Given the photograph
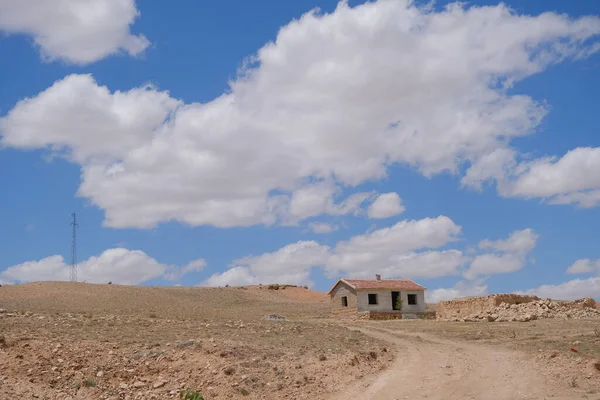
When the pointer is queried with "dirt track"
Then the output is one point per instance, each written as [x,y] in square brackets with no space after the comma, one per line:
[434,368]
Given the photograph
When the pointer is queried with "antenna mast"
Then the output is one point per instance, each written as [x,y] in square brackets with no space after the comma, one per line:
[74,249]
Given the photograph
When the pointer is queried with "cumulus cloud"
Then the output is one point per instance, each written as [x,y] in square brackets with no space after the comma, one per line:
[397,250]
[319,198]
[386,205]
[76,31]
[289,265]
[571,179]
[461,289]
[335,99]
[518,242]
[584,266]
[571,290]
[237,276]
[118,265]
[508,255]
[322,227]
[402,250]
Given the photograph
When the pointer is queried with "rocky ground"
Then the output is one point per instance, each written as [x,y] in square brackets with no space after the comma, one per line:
[534,310]
[143,354]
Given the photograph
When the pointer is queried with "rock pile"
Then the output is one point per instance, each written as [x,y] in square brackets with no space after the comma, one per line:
[539,309]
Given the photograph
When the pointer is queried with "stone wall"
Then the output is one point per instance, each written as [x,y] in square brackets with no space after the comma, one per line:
[374,315]
[427,315]
[348,313]
[365,315]
[459,308]
[580,304]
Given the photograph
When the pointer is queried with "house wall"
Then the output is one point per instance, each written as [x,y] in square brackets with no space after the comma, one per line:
[384,298]
[337,310]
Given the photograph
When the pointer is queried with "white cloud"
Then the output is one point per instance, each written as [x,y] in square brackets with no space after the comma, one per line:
[118,265]
[77,31]
[584,266]
[509,255]
[237,276]
[47,269]
[491,264]
[101,125]
[194,266]
[335,98]
[571,290]
[574,178]
[289,265]
[386,205]
[428,264]
[322,227]
[518,242]
[390,251]
[461,289]
[393,251]
[571,179]
[316,199]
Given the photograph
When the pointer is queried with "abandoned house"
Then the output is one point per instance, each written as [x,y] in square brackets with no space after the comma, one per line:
[377,298]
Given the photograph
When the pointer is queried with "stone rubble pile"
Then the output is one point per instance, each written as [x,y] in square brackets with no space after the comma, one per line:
[539,309]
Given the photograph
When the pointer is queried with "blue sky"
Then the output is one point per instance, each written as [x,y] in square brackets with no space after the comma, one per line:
[237,143]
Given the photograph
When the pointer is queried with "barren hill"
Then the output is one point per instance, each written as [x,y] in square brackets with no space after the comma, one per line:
[61,340]
[243,303]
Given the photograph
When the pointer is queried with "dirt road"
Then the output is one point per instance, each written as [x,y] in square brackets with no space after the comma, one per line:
[432,368]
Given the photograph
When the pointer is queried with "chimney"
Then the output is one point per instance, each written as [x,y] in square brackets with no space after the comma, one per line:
[378,277]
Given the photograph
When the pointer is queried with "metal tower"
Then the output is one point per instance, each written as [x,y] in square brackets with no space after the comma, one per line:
[74,249]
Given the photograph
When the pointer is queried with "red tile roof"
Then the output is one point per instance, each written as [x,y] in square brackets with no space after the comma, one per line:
[392,284]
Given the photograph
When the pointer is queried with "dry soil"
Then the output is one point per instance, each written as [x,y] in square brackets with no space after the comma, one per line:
[78,341]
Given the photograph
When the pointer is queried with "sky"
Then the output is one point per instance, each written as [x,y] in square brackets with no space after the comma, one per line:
[236,143]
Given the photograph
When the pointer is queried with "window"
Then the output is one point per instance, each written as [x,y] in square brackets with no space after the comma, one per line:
[412,299]
[372,298]
[344,301]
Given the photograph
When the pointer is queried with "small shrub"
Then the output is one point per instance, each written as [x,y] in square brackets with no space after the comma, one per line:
[573,383]
[597,331]
[190,395]
[244,392]
[77,385]
[322,357]
[399,304]
[229,371]
[152,315]
[89,382]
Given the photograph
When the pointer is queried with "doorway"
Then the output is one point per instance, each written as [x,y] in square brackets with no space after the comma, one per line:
[395,296]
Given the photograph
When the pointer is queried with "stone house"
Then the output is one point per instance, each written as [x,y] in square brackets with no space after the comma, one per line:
[377,298]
